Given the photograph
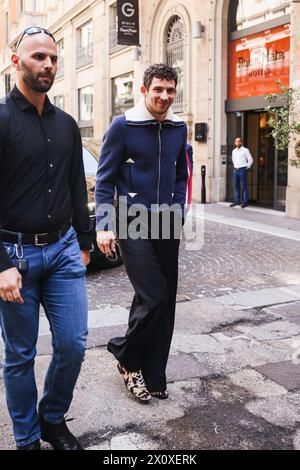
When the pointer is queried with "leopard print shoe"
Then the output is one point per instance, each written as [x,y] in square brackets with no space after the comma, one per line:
[135,383]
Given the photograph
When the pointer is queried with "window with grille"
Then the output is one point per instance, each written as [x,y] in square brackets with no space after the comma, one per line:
[86,111]
[86,106]
[248,13]
[60,53]
[175,57]
[113,30]
[122,94]
[84,50]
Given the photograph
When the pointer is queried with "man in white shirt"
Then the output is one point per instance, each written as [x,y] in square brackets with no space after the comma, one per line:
[242,161]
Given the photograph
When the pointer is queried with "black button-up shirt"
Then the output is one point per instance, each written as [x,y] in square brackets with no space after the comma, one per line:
[42,181]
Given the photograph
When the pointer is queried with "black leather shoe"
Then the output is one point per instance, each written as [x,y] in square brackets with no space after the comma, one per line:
[58,435]
[233,204]
[243,205]
[36,445]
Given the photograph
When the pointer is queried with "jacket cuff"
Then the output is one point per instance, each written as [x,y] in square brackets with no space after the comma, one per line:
[85,241]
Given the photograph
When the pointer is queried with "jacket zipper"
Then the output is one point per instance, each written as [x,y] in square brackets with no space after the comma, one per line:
[159,154]
[159,163]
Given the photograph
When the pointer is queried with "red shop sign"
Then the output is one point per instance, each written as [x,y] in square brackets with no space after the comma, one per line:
[257,61]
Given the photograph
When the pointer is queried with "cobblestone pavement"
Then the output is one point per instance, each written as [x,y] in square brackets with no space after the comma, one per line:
[232,259]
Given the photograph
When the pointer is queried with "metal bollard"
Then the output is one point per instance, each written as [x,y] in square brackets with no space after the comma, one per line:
[203,187]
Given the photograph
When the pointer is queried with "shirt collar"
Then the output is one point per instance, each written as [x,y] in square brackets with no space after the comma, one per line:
[140,113]
[24,105]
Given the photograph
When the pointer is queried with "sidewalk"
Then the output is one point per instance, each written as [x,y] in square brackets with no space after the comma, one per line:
[234,368]
[253,218]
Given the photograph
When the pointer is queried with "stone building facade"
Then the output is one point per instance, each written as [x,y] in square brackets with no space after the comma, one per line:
[208,41]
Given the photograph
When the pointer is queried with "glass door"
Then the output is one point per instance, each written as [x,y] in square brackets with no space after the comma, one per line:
[281,157]
[251,141]
[265,163]
[267,179]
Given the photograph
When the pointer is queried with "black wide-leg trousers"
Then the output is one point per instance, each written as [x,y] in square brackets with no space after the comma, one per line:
[152,267]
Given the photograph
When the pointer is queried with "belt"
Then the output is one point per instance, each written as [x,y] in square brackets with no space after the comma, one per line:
[37,239]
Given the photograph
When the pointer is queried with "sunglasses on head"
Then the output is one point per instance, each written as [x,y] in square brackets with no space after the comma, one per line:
[34,30]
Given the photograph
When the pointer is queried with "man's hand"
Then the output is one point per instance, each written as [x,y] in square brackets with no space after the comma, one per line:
[106,242]
[86,257]
[10,285]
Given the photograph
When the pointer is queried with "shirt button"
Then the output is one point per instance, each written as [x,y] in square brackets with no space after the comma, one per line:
[49,216]
[49,140]
[49,190]
[51,165]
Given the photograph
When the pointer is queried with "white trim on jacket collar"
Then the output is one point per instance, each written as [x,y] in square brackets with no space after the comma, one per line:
[140,113]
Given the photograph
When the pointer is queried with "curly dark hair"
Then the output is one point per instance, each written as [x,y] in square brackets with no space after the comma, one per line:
[162,71]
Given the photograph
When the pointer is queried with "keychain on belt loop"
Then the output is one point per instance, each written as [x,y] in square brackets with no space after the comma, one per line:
[22,263]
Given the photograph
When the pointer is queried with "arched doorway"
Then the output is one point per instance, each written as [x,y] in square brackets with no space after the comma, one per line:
[258,56]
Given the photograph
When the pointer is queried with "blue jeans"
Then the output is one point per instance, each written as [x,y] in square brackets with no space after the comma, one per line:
[240,179]
[55,279]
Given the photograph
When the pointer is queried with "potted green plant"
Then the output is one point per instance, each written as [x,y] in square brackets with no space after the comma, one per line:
[284,126]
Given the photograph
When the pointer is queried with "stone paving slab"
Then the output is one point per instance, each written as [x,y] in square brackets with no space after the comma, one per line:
[189,343]
[101,336]
[257,384]
[281,410]
[186,367]
[297,440]
[197,317]
[286,374]
[278,329]
[267,222]
[104,323]
[271,216]
[103,317]
[207,314]
[291,345]
[127,441]
[133,441]
[96,337]
[290,311]
[239,353]
[255,226]
[261,297]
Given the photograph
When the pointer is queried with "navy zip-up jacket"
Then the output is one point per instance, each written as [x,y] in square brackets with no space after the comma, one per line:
[143,160]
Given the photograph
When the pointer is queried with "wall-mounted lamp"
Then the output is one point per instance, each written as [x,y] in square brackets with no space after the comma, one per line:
[198,30]
[136,54]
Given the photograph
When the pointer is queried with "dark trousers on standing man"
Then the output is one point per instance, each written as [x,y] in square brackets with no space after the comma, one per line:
[240,184]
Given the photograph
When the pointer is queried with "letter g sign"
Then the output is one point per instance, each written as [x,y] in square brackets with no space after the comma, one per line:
[128,9]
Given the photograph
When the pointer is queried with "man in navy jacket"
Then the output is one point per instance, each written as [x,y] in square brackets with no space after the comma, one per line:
[143,162]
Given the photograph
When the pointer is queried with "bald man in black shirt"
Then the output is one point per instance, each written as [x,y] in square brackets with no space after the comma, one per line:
[44,245]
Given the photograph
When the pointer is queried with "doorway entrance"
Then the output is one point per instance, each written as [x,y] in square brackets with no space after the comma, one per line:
[267,179]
